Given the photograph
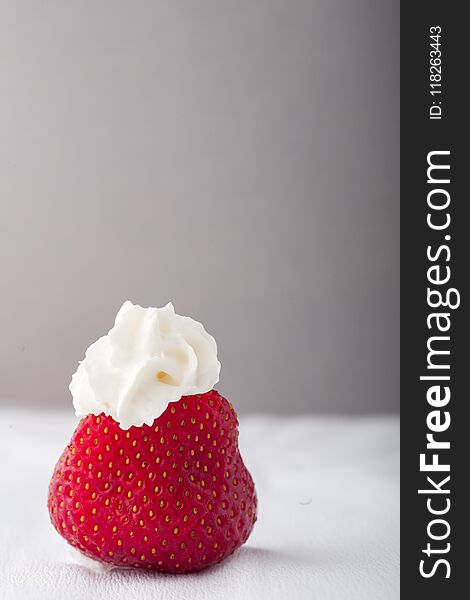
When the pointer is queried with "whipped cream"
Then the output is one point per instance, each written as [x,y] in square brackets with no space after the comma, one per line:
[151,357]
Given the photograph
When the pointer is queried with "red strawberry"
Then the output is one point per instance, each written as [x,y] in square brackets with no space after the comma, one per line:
[175,496]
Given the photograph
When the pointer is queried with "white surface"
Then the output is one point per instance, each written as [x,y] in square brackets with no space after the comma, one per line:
[328,525]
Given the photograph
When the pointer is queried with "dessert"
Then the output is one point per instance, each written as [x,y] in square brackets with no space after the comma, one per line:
[152,477]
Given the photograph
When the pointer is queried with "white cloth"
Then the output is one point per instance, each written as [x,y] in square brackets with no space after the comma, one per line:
[328,524]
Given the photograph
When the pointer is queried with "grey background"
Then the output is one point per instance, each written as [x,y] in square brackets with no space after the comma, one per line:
[239,158]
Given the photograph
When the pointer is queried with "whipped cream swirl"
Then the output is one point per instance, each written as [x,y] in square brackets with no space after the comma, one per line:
[151,357]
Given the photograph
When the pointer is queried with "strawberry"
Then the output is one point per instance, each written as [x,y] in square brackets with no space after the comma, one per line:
[175,497]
